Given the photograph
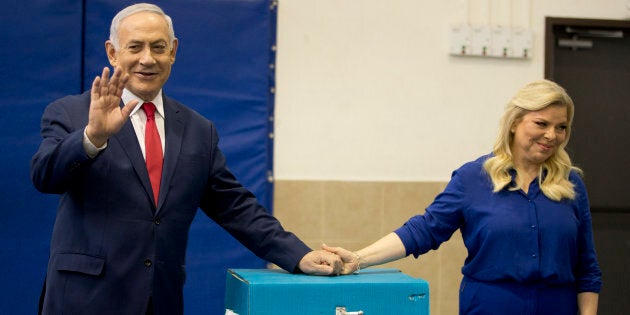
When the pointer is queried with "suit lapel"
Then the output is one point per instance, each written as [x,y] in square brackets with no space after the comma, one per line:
[129,143]
[174,129]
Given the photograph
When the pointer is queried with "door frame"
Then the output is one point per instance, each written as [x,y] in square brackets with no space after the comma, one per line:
[553,22]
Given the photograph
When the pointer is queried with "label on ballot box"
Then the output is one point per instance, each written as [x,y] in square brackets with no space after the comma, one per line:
[374,291]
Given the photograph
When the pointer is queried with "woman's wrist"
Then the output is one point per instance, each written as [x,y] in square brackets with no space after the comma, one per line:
[357,257]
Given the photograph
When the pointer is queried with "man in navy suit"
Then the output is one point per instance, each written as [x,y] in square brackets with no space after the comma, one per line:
[119,243]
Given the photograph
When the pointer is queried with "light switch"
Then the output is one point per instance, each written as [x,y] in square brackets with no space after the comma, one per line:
[521,43]
[501,45]
[460,40]
[480,40]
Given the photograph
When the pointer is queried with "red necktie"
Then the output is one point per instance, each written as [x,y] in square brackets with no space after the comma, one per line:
[153,150]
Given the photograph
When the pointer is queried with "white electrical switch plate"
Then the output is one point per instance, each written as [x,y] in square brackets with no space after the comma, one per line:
[501,44]
[480,40]
[521,43]
[460,40]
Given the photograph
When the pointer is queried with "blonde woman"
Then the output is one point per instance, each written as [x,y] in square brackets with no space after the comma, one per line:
[523,213]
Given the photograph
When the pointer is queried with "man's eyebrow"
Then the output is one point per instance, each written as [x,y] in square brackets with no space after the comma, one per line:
[133,42]
[136,41]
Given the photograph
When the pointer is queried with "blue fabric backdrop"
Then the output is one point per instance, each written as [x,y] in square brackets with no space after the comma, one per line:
[55,48]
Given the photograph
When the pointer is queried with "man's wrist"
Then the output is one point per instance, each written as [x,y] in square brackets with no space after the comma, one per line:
[90,148]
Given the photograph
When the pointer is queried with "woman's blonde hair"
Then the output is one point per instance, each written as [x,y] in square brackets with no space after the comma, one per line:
[556,169]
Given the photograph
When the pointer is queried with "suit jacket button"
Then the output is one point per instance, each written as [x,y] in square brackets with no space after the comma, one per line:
[157,221]
[148,262]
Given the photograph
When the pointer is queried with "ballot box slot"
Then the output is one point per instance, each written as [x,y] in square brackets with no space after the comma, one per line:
[341,310]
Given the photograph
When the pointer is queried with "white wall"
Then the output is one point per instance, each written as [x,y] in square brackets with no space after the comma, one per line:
[367,90]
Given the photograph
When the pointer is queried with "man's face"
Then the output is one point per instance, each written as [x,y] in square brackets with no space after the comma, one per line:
[145,53]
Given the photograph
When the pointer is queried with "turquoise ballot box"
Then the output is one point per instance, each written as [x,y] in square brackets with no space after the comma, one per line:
[372,291]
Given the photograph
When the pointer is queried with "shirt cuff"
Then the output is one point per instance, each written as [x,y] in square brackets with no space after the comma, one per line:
[406,237]
[91,150]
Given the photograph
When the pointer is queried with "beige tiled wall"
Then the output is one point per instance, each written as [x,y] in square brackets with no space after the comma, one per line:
[355,214]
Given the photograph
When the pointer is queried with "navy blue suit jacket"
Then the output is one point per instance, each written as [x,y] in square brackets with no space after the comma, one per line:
[111,247]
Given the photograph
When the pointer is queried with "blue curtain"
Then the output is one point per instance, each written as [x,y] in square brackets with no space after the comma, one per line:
[56,48]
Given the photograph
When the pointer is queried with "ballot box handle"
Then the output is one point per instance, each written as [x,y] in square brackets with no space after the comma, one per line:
[341,310]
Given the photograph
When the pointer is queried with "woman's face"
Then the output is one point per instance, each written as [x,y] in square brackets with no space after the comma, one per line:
[538,135]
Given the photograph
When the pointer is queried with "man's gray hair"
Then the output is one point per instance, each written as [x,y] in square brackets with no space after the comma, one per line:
[133,9]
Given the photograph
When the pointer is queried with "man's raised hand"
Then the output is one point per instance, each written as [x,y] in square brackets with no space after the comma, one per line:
[106,117]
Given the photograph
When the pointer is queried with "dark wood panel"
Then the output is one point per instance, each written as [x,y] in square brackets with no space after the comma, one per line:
[598,80]
[596,73]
